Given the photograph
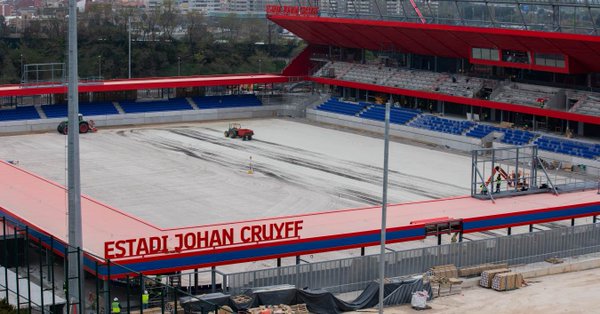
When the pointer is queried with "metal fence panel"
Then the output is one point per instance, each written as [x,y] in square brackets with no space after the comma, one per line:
[355,273]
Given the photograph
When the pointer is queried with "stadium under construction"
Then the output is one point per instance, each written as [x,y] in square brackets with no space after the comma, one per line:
[505,112]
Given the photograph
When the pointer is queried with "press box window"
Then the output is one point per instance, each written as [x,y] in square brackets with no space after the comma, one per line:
[485,54]
[550,60]
[515,56]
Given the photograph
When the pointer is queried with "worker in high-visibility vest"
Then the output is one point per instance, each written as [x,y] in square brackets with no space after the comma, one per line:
[498,183]
[115,306]
[145,299]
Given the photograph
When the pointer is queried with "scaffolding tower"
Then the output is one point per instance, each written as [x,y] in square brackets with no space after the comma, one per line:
[508,171]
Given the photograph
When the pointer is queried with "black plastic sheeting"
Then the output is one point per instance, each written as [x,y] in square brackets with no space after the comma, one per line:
[317,301]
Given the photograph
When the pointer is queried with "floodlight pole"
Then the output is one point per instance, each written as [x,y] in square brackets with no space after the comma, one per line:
[129,31]
[386,153]
[75,258]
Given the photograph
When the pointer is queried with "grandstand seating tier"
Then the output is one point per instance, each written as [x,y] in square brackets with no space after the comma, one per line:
[174,104]
[568,147]
[444,125]
[19,113]
[229,101]
[86,109]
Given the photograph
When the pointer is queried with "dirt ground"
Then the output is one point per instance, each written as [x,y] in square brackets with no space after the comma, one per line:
[574,292]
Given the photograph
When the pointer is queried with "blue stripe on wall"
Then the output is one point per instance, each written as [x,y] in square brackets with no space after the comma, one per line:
[528,218]
[265,251]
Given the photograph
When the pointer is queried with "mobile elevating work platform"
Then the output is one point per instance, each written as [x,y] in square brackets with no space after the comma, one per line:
[518,170]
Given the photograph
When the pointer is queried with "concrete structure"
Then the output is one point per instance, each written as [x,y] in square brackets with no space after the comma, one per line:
[36,202]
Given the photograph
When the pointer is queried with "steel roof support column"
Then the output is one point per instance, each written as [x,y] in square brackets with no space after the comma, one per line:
[522,16]
[556,18]
[589,9]
[462,20]
[381,6]
[403,10]
[490,13]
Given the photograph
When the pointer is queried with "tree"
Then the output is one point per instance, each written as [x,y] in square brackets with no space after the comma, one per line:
[167,18]
[9,73]
[155,52]
[3,27]
[197,34]
[6,308]
[232,25]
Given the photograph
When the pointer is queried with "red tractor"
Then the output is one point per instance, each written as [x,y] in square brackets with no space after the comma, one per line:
[235,130]
[84,126]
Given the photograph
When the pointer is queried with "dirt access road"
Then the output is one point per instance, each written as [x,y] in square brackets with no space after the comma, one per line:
[572,293]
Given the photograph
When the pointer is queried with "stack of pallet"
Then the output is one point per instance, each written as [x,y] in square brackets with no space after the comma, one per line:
[473,271]
[280,309]
[168,309]
[444,271]
[444,280]
[441,287]
[240,299]
[300,309]
[488,276]
[507,281]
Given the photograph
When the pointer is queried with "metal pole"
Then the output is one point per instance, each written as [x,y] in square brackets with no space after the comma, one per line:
[213,279]
[22,73]
[75,271]
[386,151]
[129,31]
[99,67]
[178,66]
[196,281]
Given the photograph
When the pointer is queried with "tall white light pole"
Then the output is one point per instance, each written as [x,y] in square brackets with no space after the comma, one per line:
[386,153]
[129,31]
[75,258]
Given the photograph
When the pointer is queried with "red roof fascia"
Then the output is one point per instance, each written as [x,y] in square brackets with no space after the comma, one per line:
[463,100]
[144,83]
[444,40]
[441,27]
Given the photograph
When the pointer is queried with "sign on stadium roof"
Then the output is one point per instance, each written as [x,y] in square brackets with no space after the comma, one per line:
[292,10]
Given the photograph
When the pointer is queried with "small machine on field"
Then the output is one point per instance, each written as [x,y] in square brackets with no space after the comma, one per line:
[235,130]
[85,126]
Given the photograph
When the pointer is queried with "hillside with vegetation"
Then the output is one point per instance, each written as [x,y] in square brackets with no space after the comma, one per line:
[164,43]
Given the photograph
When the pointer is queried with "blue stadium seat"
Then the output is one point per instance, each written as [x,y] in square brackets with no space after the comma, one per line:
[227,101]
[511,136]
[87,109]
[482,130]
[516,136]
[568,147]
[336,106]
[19,113]
[435,123]
[174,104]
[397,115]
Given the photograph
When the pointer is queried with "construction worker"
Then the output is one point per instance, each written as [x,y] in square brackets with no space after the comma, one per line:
[483,189]
[454,238]
[115,307]
[145,299]
[498,183]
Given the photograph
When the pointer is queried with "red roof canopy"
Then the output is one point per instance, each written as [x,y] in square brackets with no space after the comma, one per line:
[441,40]
[144,83]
